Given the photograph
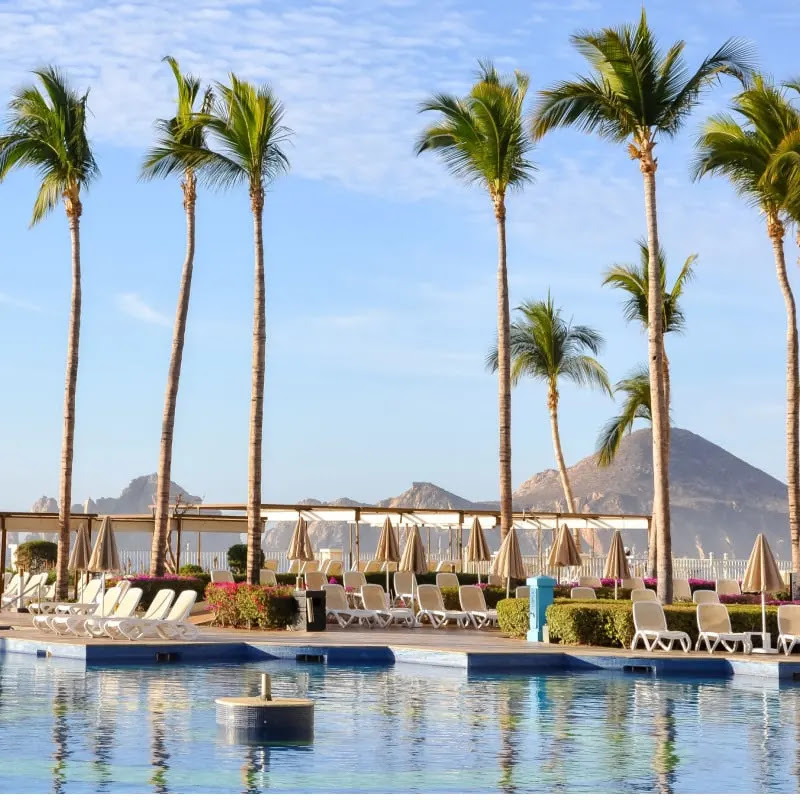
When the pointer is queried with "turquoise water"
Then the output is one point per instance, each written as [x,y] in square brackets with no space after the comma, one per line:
[64,728]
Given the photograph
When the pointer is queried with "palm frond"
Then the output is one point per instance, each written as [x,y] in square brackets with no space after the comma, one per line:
[635,405]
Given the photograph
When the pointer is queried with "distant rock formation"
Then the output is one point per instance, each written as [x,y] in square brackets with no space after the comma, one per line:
[45,505]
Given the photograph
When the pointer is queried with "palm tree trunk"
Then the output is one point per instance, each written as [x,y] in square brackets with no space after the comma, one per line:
[256,392]
[503,368]
[776,233]
[68,436]
[161,529]
[659,411]
[552,405]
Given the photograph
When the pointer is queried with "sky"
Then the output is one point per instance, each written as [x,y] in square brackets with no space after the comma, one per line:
[381,283]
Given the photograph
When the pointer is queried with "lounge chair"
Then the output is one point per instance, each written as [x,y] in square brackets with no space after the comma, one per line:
[728,586]
[446,566]
[495,580]
[405,588]
[582,593]
[522,593]
[432,563]
[372,566]
[336,607]
[295,567]
[94,626]
[176,624]
[12,591]
[373,598]
[444,579]
[388,566]
[632,583]
[130,626]
[309,566]
[354,580]
[705,596]
[30,592]
[221,576]
[66,624]
[788,628]
[590,582]
[431,605]
[637,595]
[315,581]
[272,564]
[266,577]
[334,569]
[323,566]
[651,628]
[714,629]
[86,603]
[681,591]
[473,604]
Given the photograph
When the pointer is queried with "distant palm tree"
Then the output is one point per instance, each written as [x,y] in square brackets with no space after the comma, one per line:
[173,154]
[635,405]
[47,131]
[636,93]
[546,347]
[758,150]
[481,139]
[249,137]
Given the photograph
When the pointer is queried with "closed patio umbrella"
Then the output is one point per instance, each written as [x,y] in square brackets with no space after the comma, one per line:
[387,547]
[564,553]
[477,549]
[762,575]
[508,561]
[81,552]
[105,557]
[414,558]
[300,544]
[616,564]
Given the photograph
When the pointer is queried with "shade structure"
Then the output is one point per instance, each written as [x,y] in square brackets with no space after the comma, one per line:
[414,558]
[477,549]
[762,575]
[387,547]
[564,553]
[81,551]
[508,561]
[104,557]
[300,544]
[616,563]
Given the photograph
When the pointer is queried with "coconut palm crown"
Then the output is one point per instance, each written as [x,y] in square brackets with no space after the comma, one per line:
[635,405]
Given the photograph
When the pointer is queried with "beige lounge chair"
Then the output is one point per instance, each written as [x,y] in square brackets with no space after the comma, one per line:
[444,579]
[522,593]
[315,581]
[431,605]
[221,576]
[405,588]
[714,629]
[354,580]
[681,591]
[388,566]
[705,596]
[788,628]
[473,604]
[266,577]
[373,598]
[372,566]
[176,624]
[637,595]
[129,626]
[75,624]
[432,565]
[590,582]
[32,587]
[87,602]
[334,569]
[295,567]
[581,593]
[728,586]
[495,580]
[336,607]
[12,590]
[323,566]
[272,564]
[309,566]
[446,566]
[632,583]
[651,628]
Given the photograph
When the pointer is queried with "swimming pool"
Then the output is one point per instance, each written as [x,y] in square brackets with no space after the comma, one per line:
[66,728]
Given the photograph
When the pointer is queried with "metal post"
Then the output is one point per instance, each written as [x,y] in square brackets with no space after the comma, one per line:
[3,545]
[198,548]
[358,538]
[178,551]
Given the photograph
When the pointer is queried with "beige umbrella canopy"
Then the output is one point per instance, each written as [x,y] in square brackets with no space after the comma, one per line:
[564,553]
[413,559]
[79,557]
[300,545]
[387,547]
[762,575]
[105,557]
[508,561]
[477,549]
[616,564]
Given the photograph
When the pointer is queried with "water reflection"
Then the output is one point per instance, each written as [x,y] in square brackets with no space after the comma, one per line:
[665,757]
[61,752]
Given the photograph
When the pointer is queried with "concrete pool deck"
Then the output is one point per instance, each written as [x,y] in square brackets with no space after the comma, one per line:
[474,651]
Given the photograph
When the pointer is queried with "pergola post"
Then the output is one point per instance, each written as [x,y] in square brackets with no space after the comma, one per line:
[3,544]
[358,539]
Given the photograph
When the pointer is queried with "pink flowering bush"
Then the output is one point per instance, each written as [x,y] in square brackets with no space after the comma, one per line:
[242,605]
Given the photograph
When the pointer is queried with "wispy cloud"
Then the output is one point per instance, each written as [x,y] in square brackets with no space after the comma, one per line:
[16,302]
[132,305]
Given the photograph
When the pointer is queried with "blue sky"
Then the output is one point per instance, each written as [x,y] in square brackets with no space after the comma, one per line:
[380,266]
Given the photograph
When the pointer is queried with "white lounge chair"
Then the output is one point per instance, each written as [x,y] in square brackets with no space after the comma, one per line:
[431,605]
[522,592]
[336,607]
[373,598]
[11,592]
[473,604]
[94,625]
[681,590]
[705,596]
[372,566]
[651,628]
[74,624]
[714,629]
[405,587]
[334,569]
[788,628]
[447,579]
[31,591]
[632,583]
[354,580]
[221,576]
[590,582]
[582,593]
[130,626]
[638,595]
[728,586]
[85,604]
[446,566]
[309,566]
[315,581]
[266,577]
[272,564]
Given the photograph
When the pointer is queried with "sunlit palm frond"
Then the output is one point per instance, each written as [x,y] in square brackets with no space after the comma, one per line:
[635,405]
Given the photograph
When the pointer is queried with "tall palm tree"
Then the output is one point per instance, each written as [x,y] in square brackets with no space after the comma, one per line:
[178,141]
[481,139]
[635,405]
[635,94]
[246,124]
[547,347]
[47,131]
[758,149]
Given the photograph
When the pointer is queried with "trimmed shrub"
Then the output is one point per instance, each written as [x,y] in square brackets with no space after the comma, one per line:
[493,595]
[241,605]
[513,616]
[36,555]
[190,569]
[237,558]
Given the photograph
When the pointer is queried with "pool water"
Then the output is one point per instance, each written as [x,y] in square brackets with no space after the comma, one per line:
[66,728]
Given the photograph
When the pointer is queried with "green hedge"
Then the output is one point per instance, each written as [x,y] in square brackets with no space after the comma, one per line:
[493,595]
[151,586]
[604,593]
[36,555]
[244,606]
[513,616]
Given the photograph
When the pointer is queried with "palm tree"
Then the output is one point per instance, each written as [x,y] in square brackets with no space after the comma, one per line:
[546,347]
[635,405]
[177,142]
[47,131]
[637,93]
[481,139]
[758,151]
[246,123]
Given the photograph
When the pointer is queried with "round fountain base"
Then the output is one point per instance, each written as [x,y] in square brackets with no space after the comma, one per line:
[280,720]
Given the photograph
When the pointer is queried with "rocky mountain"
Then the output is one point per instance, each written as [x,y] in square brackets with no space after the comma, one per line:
[427,495]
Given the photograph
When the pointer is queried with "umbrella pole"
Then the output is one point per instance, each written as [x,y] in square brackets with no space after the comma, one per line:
[615,588]
[764,619]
